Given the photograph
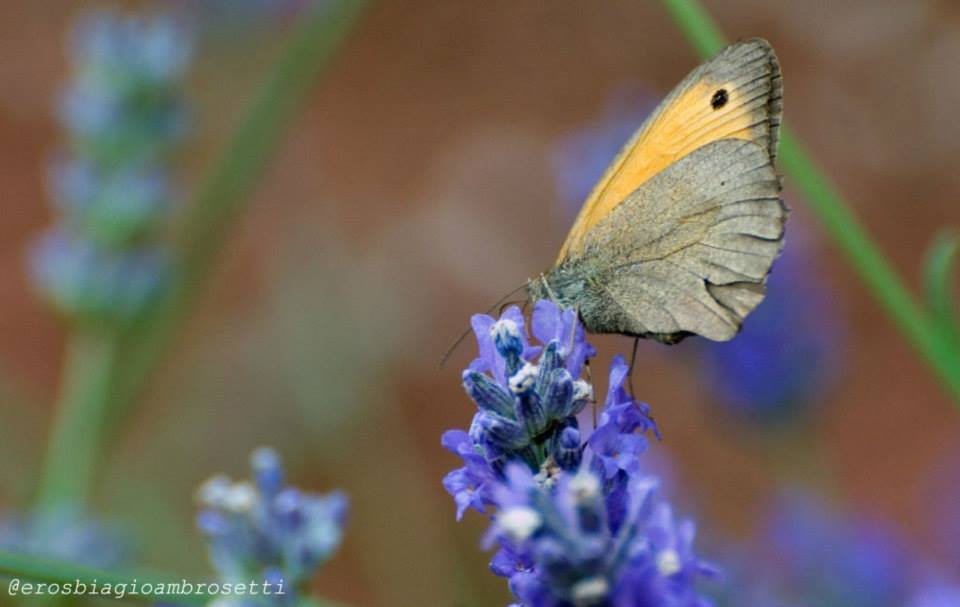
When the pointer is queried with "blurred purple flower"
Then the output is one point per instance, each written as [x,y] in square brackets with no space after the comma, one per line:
[124,106]
[267,530]
[68,535]
[835,559]
[114,207]
[937,594]
[123,111]
[788,350]
[941,495]
[810,554]
[76,274]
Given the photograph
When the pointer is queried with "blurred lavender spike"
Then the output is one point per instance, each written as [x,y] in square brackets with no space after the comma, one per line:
[937,594]
[266,530]
[812,554]
[65,534]
[123,113]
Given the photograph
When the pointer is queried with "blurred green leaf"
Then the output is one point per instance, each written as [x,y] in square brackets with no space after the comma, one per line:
[24,426]
[938,273]
[73,449]
[225,194]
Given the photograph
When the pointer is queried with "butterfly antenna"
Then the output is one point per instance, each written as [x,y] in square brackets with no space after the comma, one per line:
[500,303]
[513,302]
[633,394]
[453,348]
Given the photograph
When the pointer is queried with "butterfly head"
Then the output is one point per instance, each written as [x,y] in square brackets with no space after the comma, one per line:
[557,285]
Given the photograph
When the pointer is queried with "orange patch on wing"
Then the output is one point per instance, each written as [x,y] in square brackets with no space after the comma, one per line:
[689,122]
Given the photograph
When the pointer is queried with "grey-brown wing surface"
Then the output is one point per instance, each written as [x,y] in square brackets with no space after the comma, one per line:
[689,250]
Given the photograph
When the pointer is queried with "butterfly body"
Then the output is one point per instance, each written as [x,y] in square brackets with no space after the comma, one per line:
[679,235]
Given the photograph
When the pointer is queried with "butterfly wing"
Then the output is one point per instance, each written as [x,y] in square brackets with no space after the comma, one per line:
[735,95]
[688,251]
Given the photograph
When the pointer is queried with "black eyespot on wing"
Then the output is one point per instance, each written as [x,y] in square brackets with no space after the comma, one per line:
[719,99]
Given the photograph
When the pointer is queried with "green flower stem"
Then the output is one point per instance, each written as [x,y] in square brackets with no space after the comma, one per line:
[835,215]
[940,265]
[869,262]
[697,25]
[74,445]
[226,192]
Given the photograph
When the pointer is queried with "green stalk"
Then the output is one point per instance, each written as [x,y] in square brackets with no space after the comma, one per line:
[939,268]
[225,194]
[869,262]
[74,445]
[695,22]
[834,213]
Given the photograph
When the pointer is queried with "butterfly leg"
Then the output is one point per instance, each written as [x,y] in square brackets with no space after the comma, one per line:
[633,395]
[586,366]
[633,360]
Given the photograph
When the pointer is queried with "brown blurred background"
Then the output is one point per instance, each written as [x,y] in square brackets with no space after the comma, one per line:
[415,190]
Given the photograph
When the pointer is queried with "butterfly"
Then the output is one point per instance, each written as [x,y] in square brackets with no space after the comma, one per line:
[680,233]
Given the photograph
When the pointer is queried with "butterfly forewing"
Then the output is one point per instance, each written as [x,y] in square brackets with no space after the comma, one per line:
[735,95]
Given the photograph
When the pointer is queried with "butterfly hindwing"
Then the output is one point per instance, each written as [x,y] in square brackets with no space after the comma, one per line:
[687,252]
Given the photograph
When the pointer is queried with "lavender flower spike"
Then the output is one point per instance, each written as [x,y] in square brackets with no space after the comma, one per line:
[561,548]
[575,520]
[266,530]
[123,114]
